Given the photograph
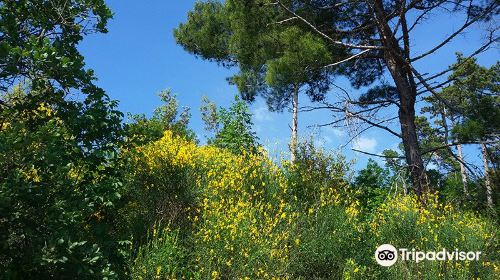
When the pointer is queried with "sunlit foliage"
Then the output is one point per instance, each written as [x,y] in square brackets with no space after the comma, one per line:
[240,217]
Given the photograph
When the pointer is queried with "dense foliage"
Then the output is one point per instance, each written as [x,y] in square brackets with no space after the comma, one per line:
[244,217]
[86,195]
[57,195]
[231,128]
[59,179]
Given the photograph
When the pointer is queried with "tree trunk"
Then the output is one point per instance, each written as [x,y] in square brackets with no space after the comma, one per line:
[487,179]
[295,111]
[463,173]
[410,141]
[459,149]
[397,62]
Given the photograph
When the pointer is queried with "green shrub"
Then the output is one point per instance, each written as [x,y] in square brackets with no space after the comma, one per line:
[163,257]
[59,189]
[313,172]
[403,223]
[372,185]
[326,239]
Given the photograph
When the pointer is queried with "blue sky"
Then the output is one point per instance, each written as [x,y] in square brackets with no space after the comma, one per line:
[139,57]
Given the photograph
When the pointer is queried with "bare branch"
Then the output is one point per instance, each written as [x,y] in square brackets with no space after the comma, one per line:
[376,155]
[365,129]
[347,59]
[358,115]
[379,126]
[352,46]
[285,20]
[467,23]
[454,144]
[431,89]
[478,51]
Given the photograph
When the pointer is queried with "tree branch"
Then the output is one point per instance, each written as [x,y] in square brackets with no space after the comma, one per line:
[454,144]
[464,26]
[478,51]
[352,46]
[430,89]
[376,155]
[347,59]
[359,116]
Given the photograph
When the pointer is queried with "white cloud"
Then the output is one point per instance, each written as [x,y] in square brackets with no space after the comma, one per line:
[262,114]
[365,144]
[335,131]
[323,141]
[327,139]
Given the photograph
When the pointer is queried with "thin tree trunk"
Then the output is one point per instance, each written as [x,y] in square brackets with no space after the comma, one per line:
[459,149]
[487,179]
[295,112]
[463,172]
[398,64]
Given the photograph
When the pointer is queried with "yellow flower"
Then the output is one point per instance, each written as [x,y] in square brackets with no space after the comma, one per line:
[232,218]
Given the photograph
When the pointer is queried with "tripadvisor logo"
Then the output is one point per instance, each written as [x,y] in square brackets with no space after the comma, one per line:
[387,255]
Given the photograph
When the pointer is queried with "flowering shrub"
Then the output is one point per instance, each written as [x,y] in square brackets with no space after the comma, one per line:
[240,217]
[404,223]
[316,175]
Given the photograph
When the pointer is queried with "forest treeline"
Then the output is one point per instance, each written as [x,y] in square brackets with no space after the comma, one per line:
[85,194]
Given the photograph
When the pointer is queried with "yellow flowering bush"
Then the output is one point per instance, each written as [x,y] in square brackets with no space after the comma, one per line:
[238,220]
[160,186]
[405,223]
[241,217]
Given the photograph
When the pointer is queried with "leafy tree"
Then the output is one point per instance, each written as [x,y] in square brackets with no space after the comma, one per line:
[60,182]
[39,42]
[232,127]
[373,36]
[288,64]
[474,100]
[314,172]
[435,142]
[441,133]
[209,114]
[458,121]
[166,117]
[474,95]
[469,116]
[373,183]
[57,198]
[296,68]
